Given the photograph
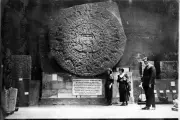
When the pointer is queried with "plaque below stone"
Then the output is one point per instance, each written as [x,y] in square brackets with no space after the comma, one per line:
[87,87]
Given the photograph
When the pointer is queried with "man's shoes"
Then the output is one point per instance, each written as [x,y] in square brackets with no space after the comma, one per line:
[123,104]
[109,104]
[16,109]
[145,108]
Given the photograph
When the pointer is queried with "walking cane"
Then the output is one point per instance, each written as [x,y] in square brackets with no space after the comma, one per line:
[141,97]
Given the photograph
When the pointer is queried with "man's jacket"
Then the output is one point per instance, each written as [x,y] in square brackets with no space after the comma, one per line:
[149,75]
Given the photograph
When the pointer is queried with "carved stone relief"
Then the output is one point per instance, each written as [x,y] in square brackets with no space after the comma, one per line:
[86,39]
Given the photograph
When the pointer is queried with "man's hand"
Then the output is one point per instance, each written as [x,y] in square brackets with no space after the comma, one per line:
[150,85]
[140,85]
[110,85]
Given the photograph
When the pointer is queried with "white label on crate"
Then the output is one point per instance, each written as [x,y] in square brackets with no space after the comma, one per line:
[54,77]
[20,79]
[155,91]
[26,93]
[161,91]
[174,91]
[167,90]
[172,83]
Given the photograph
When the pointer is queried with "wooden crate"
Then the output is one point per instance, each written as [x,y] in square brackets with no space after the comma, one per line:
[23,92]
[34,93]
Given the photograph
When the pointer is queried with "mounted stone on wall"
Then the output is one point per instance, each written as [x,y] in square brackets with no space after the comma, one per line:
[87,39]
[21,66]
[169,69]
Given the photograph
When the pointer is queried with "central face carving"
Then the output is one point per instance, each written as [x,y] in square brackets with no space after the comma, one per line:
[86,39]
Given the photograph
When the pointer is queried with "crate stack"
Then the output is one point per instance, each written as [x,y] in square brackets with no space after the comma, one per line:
[165,90]
[21,73]
[56,86]
[167,86]
[34,92]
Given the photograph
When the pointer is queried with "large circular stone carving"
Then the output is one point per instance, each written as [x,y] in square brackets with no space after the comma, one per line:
[86,39]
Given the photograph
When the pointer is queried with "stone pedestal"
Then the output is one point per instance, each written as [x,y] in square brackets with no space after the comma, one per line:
[59,88]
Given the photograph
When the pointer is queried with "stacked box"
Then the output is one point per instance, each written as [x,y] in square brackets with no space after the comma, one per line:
[56,86]
[23,94]
[174,88]
[160,88]
[47,87]
[21,73]
[34,92]
[169,74]
[167,88]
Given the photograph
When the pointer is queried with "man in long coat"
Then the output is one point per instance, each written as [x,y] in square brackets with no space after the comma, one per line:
[148,82]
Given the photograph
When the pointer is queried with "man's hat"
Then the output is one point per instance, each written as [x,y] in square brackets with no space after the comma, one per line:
[109,69]
[145,59]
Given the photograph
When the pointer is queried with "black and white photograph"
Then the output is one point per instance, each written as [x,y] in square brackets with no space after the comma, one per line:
[89,59]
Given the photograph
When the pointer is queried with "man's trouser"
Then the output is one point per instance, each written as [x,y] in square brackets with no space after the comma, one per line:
[150,97]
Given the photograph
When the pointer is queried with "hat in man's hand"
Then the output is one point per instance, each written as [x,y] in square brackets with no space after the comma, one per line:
[145,59]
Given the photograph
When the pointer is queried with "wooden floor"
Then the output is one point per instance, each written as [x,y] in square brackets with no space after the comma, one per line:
[92,111]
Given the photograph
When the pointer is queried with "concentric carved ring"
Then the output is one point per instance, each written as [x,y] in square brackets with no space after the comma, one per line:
[86,39]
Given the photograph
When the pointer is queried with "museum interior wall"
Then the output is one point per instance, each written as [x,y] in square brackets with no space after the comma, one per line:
[42,42]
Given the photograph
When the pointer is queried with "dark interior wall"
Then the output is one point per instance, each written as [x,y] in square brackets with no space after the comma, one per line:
[2,3]
[151,28]
[148,33]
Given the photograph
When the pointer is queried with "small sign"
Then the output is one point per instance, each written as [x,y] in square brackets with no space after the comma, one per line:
[161,91]
[174,91]
[90,87]
[167,90]
[26,93]
[54,77]
[172,83]
[20,79]
[155,91]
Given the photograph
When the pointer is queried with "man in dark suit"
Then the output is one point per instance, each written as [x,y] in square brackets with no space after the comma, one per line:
[109,86]
[148,82]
